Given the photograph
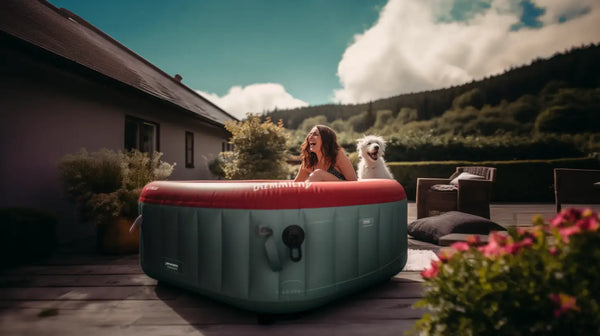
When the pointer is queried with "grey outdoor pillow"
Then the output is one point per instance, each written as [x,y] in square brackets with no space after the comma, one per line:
[431,229]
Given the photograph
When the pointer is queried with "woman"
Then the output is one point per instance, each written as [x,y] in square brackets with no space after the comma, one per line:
[323,159]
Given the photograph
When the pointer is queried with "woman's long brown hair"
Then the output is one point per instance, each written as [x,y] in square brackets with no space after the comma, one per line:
[329,147]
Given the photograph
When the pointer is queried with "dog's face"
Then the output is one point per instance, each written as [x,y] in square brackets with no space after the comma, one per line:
[371,147]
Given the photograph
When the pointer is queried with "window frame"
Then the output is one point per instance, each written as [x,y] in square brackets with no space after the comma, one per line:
[226,146]
[189,149]
[140,134]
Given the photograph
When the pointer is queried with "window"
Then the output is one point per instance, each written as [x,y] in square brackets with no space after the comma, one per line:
[141,135]
[189,150]
[226,147]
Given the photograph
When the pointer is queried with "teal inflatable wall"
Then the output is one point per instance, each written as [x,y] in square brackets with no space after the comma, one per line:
[238,256]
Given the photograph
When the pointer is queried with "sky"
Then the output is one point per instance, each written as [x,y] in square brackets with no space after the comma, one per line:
[258,55]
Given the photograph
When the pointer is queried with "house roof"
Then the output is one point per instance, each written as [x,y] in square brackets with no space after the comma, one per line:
[65,34]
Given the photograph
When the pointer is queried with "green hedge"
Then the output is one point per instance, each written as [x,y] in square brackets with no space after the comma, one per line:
[425,148]
[516,181]
[26,235]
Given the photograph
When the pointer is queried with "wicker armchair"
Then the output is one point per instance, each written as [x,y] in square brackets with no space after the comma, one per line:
[576,186]
[436,195]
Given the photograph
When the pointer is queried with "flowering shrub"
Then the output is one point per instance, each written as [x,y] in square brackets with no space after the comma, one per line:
[542,281]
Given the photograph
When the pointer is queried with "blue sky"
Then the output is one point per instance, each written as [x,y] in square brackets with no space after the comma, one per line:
[255,55]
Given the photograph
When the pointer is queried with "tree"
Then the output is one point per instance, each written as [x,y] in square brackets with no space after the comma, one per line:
[259,150]
[563,119]
[474,98]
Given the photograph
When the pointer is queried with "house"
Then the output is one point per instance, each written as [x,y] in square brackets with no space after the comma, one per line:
[66,85]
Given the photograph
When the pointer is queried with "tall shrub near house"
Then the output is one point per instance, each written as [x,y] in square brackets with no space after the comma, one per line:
[259,150]
[106,185]
[543,281]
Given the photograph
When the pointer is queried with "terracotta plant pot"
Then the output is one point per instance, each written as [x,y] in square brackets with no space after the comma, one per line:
[114,237]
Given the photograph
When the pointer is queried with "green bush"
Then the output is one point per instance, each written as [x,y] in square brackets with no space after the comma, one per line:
[383,118]
[406,115]
[107,184]
[474,98]
[358,122]
[489,126]
[516,181]
[215,167]
[83,174]
[427,147]
[524,283]
[26,235]
[564,119]
[339,126]
[524,109]
[259,150]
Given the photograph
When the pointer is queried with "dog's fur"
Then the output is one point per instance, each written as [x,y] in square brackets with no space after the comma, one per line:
[371,150]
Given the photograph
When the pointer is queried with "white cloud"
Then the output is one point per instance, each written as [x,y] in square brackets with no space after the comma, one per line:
[557,9]
[254,98]
[410,49]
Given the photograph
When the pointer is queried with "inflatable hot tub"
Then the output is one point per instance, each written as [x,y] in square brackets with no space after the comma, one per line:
[273,246]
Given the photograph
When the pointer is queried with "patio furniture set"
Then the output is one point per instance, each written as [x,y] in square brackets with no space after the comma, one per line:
[446,206]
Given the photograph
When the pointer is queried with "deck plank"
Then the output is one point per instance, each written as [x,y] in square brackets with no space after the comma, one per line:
[85,280]
[86,293]
[76,269]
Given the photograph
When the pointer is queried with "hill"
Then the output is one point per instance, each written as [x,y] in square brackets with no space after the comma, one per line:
[575,68]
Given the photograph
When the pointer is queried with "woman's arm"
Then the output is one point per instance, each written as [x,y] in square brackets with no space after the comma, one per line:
[345,166]
[302,174]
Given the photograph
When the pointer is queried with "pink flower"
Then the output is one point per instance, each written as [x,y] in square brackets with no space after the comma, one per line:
[573,221]
[564,302]
[495,246]
[431,272]
[527,242]
[514,248]
[568,231]
[532,233]
[446,254]
[588,223]
[474,240]
[553,250]
[460,246]
[566,217]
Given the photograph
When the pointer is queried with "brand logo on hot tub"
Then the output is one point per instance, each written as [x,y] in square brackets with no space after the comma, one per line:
[292,287]
[279,185]
[366,222]
[172,265]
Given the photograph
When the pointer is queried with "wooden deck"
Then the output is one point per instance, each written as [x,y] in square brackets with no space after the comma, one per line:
[78,292]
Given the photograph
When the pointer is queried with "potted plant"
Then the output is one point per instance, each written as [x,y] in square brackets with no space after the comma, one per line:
[106,186]
[540,281]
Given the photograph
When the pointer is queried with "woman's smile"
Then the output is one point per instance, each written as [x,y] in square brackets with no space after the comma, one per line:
[314,140]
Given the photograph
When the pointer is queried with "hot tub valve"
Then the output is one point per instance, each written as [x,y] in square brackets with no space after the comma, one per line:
[293,237]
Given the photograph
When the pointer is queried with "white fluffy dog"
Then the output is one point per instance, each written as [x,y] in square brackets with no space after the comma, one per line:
[371,164]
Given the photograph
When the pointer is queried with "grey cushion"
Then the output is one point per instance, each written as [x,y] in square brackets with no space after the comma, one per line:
[431,229]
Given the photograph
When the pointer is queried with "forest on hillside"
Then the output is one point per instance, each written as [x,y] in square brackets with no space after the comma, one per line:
[549,108]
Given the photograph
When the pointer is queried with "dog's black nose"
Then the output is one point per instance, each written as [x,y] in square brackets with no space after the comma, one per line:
[376,147]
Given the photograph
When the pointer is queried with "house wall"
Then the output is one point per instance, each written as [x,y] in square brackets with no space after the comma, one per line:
[47,112]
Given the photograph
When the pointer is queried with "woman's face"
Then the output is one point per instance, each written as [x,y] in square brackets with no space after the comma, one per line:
[314,140]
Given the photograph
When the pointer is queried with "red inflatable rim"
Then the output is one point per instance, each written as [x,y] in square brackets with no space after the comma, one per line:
[275,194]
